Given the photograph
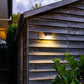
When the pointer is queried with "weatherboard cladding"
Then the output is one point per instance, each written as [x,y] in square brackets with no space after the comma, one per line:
[48,7]
[66,25]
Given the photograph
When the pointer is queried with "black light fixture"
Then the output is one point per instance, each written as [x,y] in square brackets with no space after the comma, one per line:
[48,36]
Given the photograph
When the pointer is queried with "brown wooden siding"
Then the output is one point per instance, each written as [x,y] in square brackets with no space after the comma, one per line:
[22,57]
[66,25]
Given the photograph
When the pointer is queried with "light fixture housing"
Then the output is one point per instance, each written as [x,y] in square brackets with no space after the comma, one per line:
[48,36]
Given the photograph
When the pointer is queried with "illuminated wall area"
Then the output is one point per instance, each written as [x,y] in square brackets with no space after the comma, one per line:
[3,33]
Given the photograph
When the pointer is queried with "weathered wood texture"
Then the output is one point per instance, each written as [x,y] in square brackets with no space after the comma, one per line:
[66,25]
[47,8]
[22,57]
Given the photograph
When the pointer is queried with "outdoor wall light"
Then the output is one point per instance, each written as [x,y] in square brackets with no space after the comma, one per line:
[48,36]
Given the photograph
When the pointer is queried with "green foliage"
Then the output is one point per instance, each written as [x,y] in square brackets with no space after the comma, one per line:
[76,68]
[11,50]
[81,66]
[11,34]
[65,76]
[11,53]
[15,18]
[72,62]
[10,39]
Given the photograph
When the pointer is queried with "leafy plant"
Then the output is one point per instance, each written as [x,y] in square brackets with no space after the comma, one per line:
[11,50]
[81,67]
[78,66]
[71,61]
[65,76]
[70,76]
[11,53]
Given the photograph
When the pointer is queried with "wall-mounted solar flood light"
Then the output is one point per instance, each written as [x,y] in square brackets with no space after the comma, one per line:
[48,36]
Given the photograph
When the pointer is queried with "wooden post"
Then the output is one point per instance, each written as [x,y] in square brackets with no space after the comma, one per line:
[27,51]
[21,73]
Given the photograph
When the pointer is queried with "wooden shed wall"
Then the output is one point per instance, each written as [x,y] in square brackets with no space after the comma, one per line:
[66,25]
[22,57]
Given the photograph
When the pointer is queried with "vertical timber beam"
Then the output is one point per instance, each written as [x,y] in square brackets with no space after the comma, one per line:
[21,73]
[27,23]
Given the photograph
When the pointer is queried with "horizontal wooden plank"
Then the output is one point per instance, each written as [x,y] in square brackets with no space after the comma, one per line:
[59,37]
[40,82]
[46,53]
[40,61]
[55,23]
[44,61]
[77,5]
[82,2]
[75,38]
[44,22]
[76,44]
[55,44]
[61,16]
[36,28]
[48,78]
[42,78]
[41,70]
[49,57]
[69,10]
[42,74]
[41,35]
[56,50]
[40,66]
[39,46]
[45,43]
[53,53]
[76,31]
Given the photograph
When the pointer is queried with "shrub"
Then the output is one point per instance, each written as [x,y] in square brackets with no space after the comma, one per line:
[73,74]
[12,49]
[11,54]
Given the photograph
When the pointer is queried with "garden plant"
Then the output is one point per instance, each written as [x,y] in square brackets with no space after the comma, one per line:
[71,75]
